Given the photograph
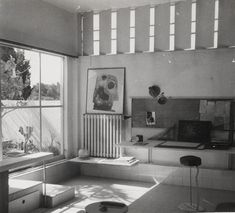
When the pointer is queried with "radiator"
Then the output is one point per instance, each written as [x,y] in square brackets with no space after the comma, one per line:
[101,133]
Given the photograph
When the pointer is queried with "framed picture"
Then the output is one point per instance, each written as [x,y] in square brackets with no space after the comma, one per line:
[150,118]
[105,90]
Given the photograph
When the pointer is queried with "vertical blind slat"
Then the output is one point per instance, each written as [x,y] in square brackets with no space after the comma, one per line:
[105,32]
[142,28]
[205,23]
[88,33]
[183,25]
[162,27]
[226,35]
[123,30]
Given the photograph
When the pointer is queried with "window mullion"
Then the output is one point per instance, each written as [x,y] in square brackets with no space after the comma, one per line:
[1,135]
[62,91]
[40,102]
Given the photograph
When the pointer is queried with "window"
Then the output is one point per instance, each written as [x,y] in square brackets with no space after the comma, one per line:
[132,30]
[96,33]
[216,23]
[172,27]
[151,29]
[193,24]
[114,32]
[31,101]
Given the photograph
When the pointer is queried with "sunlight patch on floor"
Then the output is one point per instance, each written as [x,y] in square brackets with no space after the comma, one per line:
[89,190]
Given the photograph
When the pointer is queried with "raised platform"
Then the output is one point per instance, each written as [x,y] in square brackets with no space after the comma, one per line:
[58,194]
[24,195]
[20,188]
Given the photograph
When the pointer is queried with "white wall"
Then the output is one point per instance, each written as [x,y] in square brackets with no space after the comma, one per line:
[38,24]
[71,105]
[196,73]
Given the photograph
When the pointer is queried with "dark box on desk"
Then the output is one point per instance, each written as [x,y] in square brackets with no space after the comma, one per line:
[194,131]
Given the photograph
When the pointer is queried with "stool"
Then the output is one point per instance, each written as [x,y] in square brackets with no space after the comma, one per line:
[191,161]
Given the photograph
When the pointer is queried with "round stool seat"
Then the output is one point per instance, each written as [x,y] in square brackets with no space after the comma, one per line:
[190,160]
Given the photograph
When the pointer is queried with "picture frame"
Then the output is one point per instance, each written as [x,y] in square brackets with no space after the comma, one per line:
[150,118]
[105,90]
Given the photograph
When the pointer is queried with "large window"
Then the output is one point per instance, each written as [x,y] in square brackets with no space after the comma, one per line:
[31,102]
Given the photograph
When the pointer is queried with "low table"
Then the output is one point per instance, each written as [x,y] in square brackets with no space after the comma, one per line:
[106,206]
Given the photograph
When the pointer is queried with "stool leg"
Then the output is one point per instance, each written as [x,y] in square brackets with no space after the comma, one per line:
[196,177]
[190,187]
[190,206]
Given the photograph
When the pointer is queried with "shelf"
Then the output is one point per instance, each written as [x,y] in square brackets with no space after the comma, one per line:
[104,161]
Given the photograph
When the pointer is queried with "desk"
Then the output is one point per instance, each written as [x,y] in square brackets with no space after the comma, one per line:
[11,163]
[153,143]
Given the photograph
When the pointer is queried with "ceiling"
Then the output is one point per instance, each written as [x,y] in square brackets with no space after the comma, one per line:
[97,5]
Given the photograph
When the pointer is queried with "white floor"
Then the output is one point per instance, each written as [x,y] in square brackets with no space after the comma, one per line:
[91,189]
